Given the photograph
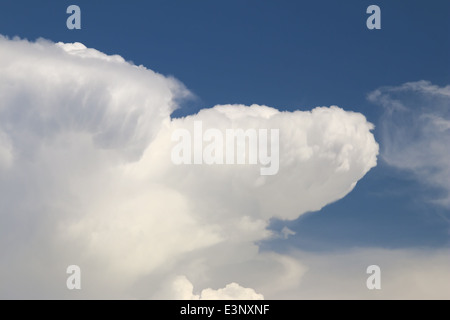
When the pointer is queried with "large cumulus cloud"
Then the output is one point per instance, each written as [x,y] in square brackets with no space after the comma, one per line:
[87,178]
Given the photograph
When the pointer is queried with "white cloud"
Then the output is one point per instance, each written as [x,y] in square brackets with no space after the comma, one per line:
[232,291]
[415,131]
[183,290]
[87,180]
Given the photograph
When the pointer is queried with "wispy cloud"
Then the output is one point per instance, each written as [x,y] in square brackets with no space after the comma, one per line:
[415,131]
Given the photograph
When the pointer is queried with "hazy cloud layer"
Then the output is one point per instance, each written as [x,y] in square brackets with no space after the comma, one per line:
[405,274]
[86,178]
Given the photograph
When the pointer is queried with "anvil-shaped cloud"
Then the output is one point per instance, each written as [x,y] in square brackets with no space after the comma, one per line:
[86,178]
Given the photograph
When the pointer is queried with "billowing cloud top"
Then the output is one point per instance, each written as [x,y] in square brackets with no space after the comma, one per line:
[87,179]
[49,90]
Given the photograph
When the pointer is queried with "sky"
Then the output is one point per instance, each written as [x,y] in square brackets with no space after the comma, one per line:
[86,135]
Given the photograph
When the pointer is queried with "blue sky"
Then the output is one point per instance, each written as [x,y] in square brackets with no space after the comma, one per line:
[287,54]
[291,55]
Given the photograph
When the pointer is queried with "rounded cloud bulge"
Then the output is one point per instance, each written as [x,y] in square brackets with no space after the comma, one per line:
[88,177]
[322,154]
